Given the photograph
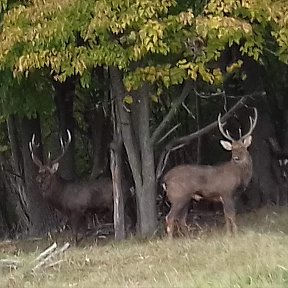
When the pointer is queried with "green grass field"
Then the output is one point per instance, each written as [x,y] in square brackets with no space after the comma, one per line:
[256,257]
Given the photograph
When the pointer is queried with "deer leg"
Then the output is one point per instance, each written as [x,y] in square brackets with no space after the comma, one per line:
[170,224]
[173,214]
[182,219]
[76,220]
[230,215]
[84,224]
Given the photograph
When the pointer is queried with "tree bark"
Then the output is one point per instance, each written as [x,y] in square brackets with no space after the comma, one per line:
[198,119]
[147,197]
[97,124]
[142,172]
[117,175]
[15,145]
[13,177]
[118,91]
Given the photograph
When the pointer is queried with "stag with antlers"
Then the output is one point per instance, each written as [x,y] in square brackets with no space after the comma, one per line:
[216,183]
[75,199]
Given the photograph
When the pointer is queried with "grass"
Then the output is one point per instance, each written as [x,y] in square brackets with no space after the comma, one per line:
[256,257]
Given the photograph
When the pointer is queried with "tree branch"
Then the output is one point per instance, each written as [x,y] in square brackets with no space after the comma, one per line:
[159,130]
[180,142]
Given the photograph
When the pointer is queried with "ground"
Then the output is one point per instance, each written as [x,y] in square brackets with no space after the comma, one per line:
[256,257]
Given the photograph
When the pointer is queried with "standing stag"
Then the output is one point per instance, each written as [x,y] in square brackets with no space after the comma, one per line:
[216,183]
[75,199]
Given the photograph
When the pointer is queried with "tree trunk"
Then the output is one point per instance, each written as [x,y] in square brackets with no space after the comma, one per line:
[8,218]
[64,100]
[97,127]
[117,175]
[13,178]
[118,92]
[143,170]
[147,197]
[198,119]
[15,145]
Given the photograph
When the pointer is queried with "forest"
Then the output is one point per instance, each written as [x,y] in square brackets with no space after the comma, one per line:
[129,89]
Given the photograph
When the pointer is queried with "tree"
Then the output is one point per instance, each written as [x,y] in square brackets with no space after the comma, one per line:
[149,46]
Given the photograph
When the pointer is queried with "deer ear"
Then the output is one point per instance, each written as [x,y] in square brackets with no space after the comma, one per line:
[55,167]
[226,145]
[247,141]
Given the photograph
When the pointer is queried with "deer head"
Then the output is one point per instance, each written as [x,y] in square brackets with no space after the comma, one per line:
[47,171]
[238,147]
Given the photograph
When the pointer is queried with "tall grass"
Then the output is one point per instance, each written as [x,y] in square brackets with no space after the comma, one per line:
[256,257]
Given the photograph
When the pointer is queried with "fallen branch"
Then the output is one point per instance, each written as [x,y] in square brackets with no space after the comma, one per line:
[47,252]
[10,263]
[47,259]
[50,260]
[55,263]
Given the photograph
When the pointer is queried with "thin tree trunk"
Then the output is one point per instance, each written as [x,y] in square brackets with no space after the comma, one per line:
[64,99]
[96,120]
[198,119]
[98,123]
[116,171]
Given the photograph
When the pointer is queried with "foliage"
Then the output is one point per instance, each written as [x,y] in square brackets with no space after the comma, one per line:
[25,96]
[169,46]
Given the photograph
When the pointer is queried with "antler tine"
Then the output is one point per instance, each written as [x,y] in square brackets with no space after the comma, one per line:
[64,146]
[221,129]
[32,142]
[62,142]
[32,146]
[240,133]
[49,156]
[252,123]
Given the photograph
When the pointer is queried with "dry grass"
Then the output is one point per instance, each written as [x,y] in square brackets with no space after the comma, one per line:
[256,257]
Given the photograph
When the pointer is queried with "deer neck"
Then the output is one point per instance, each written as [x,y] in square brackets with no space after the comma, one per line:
[54,188]
[245,170]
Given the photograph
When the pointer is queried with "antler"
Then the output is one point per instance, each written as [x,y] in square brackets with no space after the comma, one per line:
[64,147]
[32,146]
[226,133]
[252,124]
[221,129]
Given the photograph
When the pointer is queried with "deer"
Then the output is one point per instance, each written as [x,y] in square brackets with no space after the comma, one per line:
[74,199]
[218,183]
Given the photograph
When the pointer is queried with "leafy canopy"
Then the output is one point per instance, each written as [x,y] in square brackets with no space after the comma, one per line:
[156,41]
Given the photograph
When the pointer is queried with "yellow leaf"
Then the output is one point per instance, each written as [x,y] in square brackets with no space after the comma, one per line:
[155,98]
[128,99]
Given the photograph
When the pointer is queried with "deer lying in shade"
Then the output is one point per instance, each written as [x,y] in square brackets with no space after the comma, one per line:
[75,199]
[217,183]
